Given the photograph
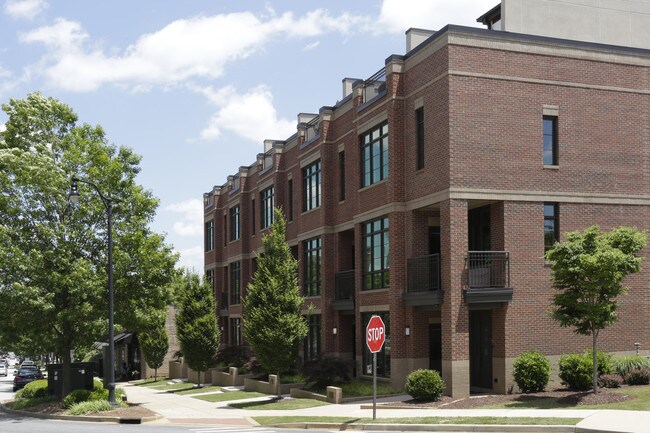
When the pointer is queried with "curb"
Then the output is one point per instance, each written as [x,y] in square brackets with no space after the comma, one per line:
[432,427]
[83,418]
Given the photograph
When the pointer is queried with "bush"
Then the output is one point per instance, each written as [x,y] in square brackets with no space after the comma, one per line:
[233,356]
[424,385]
[625,364]
[610,381]
[35,389]
[576,371]
[638,376]
[76,396]
[605,362]
[90,406]
[532,371]
[97,384]
[328,371]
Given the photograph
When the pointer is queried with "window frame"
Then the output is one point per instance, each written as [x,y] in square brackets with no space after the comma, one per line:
[235,283]
[376,239]
[553,219]
[235,223]
[209,236]
[267,201]
[312,195]
[313,340]
[312,250]
[342,175]
[419,138]
[374,149]
[553,150]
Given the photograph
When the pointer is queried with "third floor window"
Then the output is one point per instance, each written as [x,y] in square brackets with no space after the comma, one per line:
[374,155]
[311,186]
[234,223]
[267,202]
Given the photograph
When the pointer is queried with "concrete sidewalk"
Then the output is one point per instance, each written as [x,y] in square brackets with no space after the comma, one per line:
[184,409]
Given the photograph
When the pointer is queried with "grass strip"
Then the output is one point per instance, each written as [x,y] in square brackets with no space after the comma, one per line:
[198,390]
[483,420]
[230,395]
[284,404]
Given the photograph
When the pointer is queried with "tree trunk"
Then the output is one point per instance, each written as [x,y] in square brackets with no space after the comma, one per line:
[66,372]
[594,335]
[155,375]
[198,378]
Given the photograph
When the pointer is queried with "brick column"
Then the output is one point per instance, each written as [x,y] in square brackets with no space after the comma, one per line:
[454,312]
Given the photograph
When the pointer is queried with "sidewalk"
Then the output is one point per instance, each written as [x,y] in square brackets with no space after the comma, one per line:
[182,409]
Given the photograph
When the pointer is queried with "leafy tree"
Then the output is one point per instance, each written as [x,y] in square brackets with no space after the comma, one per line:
[587,270]
[53,256]
[196,324]
[154,343]
[272,322]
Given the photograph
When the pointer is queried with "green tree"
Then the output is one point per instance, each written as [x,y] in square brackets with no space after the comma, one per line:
[587,270]
[196,324]
[273,325]
[154,343]
[53,283]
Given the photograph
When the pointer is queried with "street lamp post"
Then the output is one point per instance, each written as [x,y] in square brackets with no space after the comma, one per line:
[108,204]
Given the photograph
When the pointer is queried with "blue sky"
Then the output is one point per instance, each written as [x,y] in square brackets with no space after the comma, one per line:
[195,86]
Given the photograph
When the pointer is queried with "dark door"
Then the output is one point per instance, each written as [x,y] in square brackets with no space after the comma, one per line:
[478,221]
[434,240]
[480,349]
[435,347]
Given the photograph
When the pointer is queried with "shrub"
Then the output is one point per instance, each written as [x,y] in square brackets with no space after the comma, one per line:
[424,385]
[35,389]
[576,371]
[605,362]
[328,371]
[625,364]
[611,381]
[253,366]
[638,376]
[531,371]
[233,356]
[90,406]
[76,396]
[97,384]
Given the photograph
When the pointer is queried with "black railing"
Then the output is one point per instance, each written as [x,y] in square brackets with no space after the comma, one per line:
[344,285]
[488,269]
[423,273]
[375,85]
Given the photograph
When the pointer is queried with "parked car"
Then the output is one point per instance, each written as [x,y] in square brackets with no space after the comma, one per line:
[26,375]
[4,369]
[28,363]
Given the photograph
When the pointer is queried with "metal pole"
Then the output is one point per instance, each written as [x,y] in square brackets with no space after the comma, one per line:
[111,333]
[374,385]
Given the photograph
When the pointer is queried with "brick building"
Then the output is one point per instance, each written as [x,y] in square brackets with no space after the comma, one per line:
[430,192]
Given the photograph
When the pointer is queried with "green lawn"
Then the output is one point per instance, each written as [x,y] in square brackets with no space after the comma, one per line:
[198,390]
[174,386]
[150,382]
[359,388]
[284,404]
[271,420]
[229,395]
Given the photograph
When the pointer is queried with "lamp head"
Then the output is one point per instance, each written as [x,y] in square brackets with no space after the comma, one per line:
[74,193]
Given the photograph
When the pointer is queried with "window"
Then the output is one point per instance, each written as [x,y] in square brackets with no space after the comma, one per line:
[375,255]
[225,230]
[550,140]
[312,264]
[267,199]
[551,225]
[234,223]
[383,356]
[312,340]
[253,210]
[311,191]
[209,278]
[342,176]
[419,138]
[235,283]
[235,331]
[290,188]
[374,155]
[209,235]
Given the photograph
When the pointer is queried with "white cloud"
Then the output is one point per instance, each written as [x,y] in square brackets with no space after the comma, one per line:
[64,35]
[192,258]
[400,15]
[27,9]
[311,46]
[238,111]
[191,212]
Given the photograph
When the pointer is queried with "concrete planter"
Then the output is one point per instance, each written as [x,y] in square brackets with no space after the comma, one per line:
[175,370]
[206,376]
[334,394]
[230,378]
[270,387]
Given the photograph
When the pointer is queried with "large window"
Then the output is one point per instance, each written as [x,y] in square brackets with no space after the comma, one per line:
[267,202]
[209,235]
[253,211]
[419,138]
[311,190]
[383,356]
[290,191]
[550,140]
[376,261]
[235,283]
[234,223]
[235,331]
[341,175]
[551,225]
[312,262]
[312,340]
[374,155]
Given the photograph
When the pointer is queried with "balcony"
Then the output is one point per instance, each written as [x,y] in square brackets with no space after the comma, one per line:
[423,288]
[344,291]
[488,277]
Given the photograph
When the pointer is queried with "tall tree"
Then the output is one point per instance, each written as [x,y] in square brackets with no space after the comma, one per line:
[53,256]
[154,343]
[273,324]
[196,324]
[587,270]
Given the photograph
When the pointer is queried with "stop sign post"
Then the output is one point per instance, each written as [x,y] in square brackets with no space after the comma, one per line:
[375,338]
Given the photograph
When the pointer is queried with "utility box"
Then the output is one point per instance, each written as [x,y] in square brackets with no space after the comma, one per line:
[81,377]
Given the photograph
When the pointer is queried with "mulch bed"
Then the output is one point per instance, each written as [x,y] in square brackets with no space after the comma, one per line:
[54,408]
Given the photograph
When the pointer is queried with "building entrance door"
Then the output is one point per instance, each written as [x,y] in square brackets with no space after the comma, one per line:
[480,349]
[435,347]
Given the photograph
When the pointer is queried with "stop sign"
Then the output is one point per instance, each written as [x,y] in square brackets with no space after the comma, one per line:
[375,334]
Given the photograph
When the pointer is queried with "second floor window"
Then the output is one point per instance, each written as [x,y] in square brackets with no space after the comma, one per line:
[267,202]
[550,137]
[234,223]
[312,264]
[419,138]
[311,187]
[551,225]
[235,283]
[209,235]
[374,155]
[376,261]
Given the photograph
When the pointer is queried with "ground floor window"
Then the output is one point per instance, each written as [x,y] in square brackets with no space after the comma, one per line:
[383,356]
[313,340]
[235,331]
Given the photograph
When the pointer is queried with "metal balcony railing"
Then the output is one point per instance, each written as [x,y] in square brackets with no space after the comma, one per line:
[488,269]
[374,85]
[344,285]
[423,273]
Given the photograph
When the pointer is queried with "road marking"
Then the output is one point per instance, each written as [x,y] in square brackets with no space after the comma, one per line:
[228,430]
